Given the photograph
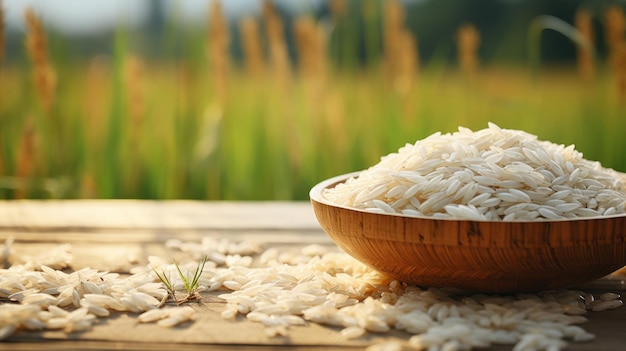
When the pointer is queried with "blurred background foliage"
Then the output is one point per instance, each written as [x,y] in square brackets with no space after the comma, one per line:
[264,105]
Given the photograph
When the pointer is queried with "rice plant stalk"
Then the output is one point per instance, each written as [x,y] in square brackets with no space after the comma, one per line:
[584,25]
[400,49]
[338,8]
[44,75]
[543,22]
[217,50]
[614,22]
[115,131]
[251,45]
[279,62]
[615,33]
[468,41]
[135,107]
[191,284]
[169,286]
[392,28]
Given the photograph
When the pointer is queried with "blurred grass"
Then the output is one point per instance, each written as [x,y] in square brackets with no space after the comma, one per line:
[161,131]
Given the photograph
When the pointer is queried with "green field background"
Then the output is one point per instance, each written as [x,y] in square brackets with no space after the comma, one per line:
[166,133]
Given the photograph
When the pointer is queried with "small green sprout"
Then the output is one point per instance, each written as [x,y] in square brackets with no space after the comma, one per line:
[190,284]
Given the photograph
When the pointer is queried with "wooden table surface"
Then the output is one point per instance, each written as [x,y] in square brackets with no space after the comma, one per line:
[103,234]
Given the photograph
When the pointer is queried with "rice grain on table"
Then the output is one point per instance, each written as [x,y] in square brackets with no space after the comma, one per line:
[284,290]
[492,174]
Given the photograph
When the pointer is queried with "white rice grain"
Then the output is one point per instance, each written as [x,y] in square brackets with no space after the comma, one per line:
[461,168]
[601,305]
[318,285]
[7,330]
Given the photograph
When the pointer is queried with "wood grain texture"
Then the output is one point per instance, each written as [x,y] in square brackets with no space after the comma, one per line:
[107,247]
[163,215]
[477,255]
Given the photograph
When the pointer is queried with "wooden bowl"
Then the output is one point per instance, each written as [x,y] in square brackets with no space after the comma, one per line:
[492,257]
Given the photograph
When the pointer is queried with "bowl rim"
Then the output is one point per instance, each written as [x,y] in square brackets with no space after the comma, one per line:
[316,194]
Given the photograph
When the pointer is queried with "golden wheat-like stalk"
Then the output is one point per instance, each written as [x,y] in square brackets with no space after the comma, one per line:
[614,30]
[278,55]
[401,56]
[583,23]
[392,29]
[135,96]
[468,42]
[95,102]
[251,44]
[338,8]
[407,62]
[321,51]
[217,49]
[303,28]
[310,44]
[311,51]
[133,78]
[280,74]
[44,75]
[615,26]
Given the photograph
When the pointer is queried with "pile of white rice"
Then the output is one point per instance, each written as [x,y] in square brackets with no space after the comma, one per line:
[492,174]
[285,289]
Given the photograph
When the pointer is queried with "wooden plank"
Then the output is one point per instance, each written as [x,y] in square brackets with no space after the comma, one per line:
[211,329]
[162,215]
[105,345]
[70,235]
[136,229]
